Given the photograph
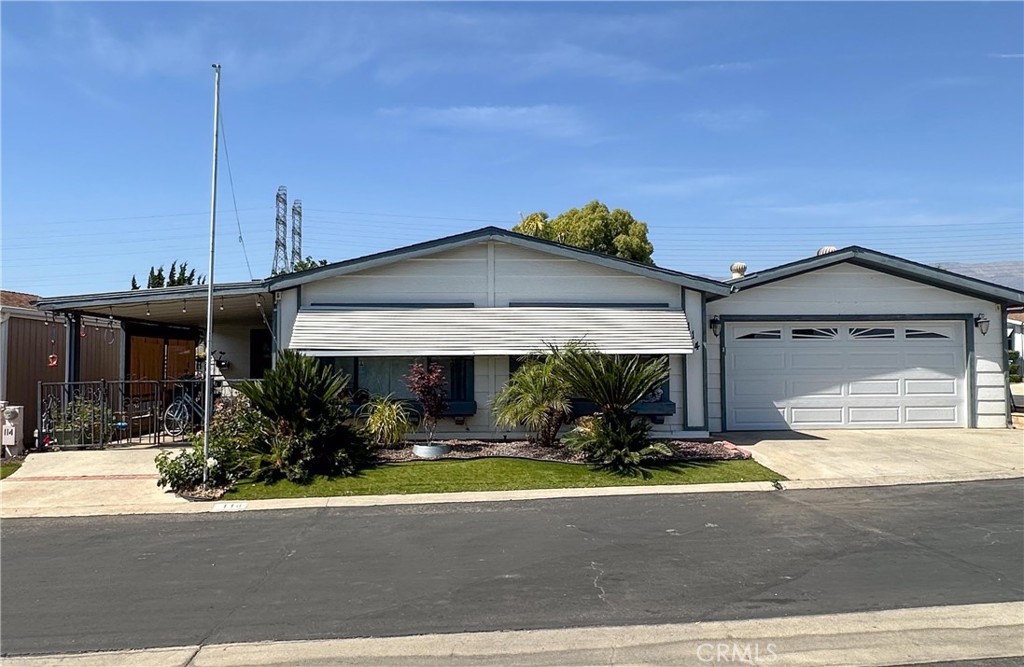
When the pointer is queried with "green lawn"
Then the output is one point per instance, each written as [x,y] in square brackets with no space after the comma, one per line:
[498,474]
[7,467]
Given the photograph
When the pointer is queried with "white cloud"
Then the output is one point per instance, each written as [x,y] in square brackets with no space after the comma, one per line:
[549,121]
[79,38]
[721,68]
[687,186]
[841,209]
[724,120]
[574,59]
[1006,55]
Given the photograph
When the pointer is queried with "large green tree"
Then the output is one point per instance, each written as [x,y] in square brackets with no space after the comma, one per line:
[593,227]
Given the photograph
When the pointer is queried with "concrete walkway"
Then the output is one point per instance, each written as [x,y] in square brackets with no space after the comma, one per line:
[84,482]
[123,481]
[856,458]
[867,639]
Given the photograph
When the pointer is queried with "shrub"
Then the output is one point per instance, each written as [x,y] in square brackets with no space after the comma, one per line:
[82,421]
[184,472]
[622,447]
[615,438]
[234,426]
[307,430]
[536,396]
[387,421]
[429,386]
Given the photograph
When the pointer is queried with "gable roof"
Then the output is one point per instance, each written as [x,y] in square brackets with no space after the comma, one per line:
[699,283]
[890,264]
[10,299]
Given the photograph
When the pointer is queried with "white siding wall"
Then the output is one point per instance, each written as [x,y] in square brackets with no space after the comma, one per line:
[286,310]
[695,364]
[525,275]
[455,276]
[233,340]
[494,274]
[845,289]
[509,274]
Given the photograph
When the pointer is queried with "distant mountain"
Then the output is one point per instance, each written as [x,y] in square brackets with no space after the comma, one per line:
[1010,274]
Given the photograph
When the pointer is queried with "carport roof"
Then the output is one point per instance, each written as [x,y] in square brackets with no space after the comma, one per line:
[235,302]
[890,264]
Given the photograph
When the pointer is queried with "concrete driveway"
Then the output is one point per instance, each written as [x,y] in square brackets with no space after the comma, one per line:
[838,458]
[84,482]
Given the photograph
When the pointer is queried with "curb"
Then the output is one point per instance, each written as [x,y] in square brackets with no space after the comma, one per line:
[185,507]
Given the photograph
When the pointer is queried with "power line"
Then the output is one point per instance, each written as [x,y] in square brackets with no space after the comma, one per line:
[413,217]
[231,182]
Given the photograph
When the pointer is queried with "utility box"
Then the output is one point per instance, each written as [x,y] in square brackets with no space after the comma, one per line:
[12,419]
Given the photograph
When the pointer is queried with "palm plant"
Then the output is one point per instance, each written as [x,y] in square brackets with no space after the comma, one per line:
[615,438]
[308,431]
[299,393]
[537,397]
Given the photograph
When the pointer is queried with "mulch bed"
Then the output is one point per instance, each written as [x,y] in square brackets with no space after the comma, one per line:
[201,495]
[682,450]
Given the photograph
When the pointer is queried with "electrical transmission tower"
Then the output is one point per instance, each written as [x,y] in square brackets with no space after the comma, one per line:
[281,226]
[296,233]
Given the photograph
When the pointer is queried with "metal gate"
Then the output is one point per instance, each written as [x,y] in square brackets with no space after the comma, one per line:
[76,415]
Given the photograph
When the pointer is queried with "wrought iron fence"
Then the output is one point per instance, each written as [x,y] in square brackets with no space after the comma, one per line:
[74,415]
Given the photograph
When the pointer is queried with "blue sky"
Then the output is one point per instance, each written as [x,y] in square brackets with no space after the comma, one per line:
[755,132]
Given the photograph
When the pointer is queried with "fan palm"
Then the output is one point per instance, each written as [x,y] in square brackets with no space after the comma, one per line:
[537,397]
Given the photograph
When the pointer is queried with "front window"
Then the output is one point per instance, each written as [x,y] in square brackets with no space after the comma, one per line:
[655,403]
[380,376]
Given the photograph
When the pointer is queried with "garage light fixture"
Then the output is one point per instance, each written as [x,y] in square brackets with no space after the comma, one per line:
[716,325]
[983,323]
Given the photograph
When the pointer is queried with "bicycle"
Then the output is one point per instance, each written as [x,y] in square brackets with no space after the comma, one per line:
[181,414]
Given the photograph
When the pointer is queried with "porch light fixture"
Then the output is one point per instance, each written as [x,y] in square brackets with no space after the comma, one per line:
[983,323]
[147,309]
[222,303]
[716,325]
[183,308]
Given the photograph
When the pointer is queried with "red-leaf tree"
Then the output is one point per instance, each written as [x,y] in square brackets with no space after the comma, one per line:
[430,387]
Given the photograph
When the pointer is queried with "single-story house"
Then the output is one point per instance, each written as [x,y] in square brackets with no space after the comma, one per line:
[850,339]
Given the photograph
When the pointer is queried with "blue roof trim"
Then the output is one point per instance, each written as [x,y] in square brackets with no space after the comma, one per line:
[890,264]
[699,283]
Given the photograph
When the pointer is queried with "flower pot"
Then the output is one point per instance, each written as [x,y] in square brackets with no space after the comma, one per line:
[430,451]
[79,436]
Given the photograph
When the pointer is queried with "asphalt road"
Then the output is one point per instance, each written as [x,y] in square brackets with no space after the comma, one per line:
[88,584]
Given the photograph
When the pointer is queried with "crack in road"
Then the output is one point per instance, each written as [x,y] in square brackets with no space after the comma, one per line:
[603,594]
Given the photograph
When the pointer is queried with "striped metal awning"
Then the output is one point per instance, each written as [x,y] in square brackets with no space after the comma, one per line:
[486,331]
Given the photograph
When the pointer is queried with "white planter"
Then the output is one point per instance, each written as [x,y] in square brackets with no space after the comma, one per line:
[430,451]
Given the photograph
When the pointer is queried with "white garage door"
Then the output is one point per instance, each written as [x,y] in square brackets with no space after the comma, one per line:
[845,375]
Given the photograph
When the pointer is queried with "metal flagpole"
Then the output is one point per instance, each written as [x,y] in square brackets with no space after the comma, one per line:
[208,388]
